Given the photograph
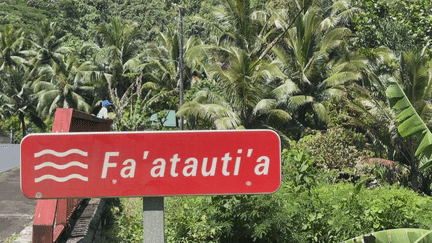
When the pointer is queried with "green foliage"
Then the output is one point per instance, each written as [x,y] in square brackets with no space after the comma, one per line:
[12,124]
[332,213]
[299,170]
[384,171]
[128,225]
[314,54]
[187,222]
[239,218]
[312,63]
[338,148]
[204,85]
[135,119]
[302,210]
[411,124]
[398,24]
[348,211]
[26,14]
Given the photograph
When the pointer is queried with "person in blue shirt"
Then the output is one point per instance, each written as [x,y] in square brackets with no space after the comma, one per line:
[103,113]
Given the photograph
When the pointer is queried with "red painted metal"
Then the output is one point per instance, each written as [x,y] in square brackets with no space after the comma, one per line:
[70,120]
[61,215]
[58,231]
[151,163]
[43,221]
[52,216]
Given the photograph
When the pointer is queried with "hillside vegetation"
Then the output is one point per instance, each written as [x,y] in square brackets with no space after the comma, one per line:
[346,84]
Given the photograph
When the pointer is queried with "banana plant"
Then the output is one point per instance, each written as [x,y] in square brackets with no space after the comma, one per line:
[411,124]
[395,236]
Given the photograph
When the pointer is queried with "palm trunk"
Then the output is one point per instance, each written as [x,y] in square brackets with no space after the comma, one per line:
[23,126]
[414,170]
[414,177]
[302,115]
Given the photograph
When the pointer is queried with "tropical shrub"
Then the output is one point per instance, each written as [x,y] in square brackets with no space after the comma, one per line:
[398,24]
[384,171]
[337,148]
[302,210]
[239,218]
[128,223]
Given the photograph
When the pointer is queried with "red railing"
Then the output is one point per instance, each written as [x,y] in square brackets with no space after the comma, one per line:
[52,215]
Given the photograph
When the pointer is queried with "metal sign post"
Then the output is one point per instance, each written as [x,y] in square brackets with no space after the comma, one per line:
[153,217]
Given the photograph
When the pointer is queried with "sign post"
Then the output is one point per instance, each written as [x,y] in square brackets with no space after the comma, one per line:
[150,164]
[153,219]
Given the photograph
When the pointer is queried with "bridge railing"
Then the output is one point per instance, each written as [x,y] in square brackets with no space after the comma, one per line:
[52,215]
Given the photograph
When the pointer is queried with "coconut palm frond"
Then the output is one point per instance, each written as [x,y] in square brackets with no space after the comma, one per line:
[321,112]
[341,78]
[210,112]
[284,91]
[334,38]
[225,123]
[299,100]
[264,106]
[80,103]
[278,116]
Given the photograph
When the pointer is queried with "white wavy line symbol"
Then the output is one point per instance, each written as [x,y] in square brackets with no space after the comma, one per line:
[60,154]
[61,179]
[61,167]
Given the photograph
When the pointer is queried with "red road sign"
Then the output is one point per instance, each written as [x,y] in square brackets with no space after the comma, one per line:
[109,164]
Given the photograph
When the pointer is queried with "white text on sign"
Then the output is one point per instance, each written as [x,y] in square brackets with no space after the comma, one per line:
[188,167]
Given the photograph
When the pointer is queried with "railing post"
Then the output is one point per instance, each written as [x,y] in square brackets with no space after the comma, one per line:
[70,206]
[61,214]
[43,222]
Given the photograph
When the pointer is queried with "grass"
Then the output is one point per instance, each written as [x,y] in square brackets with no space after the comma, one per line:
[13,169]
[128,222]
[12,238]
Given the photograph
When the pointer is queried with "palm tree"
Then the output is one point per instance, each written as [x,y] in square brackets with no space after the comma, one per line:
[415,79]
[162,64]
[64,85]
[120,38]
[12,43]
[314,56]
[16,96]
[242,25]
[245,99]
[121,69]
[47,40]
[411,85]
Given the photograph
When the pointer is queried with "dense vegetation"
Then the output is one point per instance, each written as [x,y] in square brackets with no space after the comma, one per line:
[346,84]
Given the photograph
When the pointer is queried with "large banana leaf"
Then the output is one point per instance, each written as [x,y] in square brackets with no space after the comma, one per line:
[411,124]
[395,236]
